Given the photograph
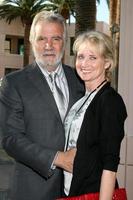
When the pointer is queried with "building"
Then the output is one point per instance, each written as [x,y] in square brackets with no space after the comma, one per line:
[11,37]
[125,82]
[11,51]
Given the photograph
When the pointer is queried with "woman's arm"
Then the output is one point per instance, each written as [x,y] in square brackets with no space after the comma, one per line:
[107,185]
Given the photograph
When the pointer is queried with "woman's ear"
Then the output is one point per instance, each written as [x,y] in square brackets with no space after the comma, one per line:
[107,64]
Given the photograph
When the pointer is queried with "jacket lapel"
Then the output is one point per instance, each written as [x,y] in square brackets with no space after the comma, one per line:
[70,81]
[75,91]
[38,80]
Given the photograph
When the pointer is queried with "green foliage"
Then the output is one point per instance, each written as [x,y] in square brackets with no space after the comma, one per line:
[25,9]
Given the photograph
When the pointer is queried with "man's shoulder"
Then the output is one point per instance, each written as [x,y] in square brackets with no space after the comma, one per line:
[69,70]
[17,77]
[20,72]
[67,67]
[73,78]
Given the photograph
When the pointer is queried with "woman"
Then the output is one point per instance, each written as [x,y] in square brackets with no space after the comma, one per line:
[95,124]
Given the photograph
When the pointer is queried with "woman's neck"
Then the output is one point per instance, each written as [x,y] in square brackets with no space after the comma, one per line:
[92,87]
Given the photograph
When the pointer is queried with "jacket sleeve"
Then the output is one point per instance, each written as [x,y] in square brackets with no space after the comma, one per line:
[113,115]
[15,140]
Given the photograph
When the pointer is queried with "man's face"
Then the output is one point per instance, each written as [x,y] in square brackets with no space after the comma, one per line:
[48,44]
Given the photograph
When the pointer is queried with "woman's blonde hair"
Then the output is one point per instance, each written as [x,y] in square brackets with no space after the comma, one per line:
[103,44]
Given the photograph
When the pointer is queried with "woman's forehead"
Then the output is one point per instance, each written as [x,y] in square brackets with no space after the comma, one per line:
[90,47]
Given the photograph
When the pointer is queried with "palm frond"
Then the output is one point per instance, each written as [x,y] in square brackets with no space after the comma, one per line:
[25,9]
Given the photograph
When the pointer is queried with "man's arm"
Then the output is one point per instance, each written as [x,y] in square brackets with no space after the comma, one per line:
[15,139]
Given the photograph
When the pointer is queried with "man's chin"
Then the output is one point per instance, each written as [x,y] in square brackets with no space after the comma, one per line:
[50,66]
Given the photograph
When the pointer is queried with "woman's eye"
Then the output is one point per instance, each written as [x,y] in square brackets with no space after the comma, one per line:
[93,58]
[80,57]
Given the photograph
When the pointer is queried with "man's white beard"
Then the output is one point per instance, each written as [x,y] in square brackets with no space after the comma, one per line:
[50,66]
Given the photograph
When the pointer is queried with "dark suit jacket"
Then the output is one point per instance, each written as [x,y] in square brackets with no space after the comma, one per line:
[33,131]
[98,145]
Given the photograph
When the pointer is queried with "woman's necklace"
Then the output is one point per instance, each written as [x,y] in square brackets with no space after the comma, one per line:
[92,93]
[99,86]
[81,108]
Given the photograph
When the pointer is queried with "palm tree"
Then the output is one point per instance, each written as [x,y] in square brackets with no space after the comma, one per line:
[85,14]
[65,7]
[115,33]
[25,10]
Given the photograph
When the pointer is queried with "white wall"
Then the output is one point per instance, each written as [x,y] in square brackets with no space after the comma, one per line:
[125,87]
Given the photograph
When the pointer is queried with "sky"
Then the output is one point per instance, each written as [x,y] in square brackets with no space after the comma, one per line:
[103,11]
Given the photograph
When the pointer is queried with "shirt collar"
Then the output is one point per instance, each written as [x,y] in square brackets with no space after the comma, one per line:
[59,70]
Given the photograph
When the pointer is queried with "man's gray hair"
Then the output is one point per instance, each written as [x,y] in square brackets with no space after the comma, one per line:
[48,16]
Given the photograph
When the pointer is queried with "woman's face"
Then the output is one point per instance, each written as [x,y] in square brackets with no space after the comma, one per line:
[90,64]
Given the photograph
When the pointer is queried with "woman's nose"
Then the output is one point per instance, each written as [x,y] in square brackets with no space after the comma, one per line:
[85,62]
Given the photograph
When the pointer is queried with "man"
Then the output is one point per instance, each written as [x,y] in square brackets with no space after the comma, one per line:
[32,125]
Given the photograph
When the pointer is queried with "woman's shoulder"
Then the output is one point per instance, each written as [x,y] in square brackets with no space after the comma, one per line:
[109,94]
[111,100]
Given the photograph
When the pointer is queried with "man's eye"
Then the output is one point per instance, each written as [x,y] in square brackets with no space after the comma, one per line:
[57,38]
[40,39]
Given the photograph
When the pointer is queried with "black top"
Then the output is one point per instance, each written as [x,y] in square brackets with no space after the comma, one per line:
[98,145]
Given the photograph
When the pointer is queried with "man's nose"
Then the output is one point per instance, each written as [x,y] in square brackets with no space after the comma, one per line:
[49,44]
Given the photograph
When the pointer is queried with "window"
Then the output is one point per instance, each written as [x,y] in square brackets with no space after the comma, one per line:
[71,46]
[14,44]
[8,45]
[9,70]
[21,46]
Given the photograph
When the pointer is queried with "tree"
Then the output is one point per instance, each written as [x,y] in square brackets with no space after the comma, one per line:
[85,12]
[25,10]
[65,7]
[115,33]
[85,15]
